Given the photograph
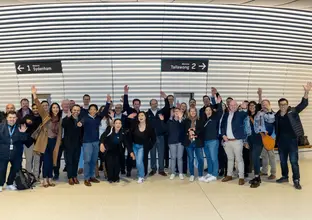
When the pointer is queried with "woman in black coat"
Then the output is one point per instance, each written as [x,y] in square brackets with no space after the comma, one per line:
[113,142]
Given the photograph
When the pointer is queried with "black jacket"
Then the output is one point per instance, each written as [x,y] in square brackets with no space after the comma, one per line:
[175,131]
[149,133]
[107,138]
[209,127]
[35,122]
[155,121]
[186,126]
[19,114]
[18,139]
[294,119]
[72,133]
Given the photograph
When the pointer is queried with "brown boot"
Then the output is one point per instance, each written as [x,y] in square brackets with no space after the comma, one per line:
[94,180]
[241,182]
[272,177]
[80,171]
[87,183]
[76,180]
[71,182]
[227,178]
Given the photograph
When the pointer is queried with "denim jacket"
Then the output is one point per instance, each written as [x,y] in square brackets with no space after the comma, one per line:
[264,122]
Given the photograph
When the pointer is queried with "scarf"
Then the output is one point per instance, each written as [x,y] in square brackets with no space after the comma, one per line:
[55,124]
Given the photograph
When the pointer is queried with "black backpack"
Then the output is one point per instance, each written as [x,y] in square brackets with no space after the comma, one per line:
[24,180]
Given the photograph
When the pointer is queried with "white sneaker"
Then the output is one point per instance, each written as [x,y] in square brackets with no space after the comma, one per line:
[140,180]
[172,176]
[11,187]
[181,176]
[192,178]
[201,179]
[208,176]
[1,188]
[210,179]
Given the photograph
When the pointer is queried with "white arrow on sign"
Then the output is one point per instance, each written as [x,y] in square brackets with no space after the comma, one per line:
[20,68]
[203,66]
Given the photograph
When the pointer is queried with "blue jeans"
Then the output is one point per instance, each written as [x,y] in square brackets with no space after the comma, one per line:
[48,159]
[211,149]
[289,146]
[199,156]
[81,159]
[139,154]
[160,146]
[90,156]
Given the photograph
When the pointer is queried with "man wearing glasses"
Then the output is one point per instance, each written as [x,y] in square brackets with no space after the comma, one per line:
[288,129]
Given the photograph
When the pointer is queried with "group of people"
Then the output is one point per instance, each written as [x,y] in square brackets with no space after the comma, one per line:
[231,136]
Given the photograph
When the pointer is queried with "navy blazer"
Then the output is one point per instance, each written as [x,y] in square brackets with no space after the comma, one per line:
[238,126]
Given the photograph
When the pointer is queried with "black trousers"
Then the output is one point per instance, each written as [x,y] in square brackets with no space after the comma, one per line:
[56,169]
[72,155]
[112,161]
[130,163]
[15,167]
[246,158]
[166,156]
[145,160]
[222,156]
[122,160]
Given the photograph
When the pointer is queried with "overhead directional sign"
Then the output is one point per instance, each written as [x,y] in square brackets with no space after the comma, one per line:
[184,65]
[45,66]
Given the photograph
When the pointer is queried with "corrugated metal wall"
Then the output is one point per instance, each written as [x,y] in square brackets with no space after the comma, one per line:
[104,46]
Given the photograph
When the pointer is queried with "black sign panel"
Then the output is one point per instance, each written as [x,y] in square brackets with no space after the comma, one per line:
[184,65]
[31,67]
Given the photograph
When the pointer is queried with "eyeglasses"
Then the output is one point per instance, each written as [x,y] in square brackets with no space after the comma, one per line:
[283,105]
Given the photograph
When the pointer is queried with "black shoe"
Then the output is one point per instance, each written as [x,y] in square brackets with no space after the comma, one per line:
[206,170]
[282,180]
[152,173]
[297,184]
[256,179]
[123,172]
[56,178]
[128,174]
[110,181]
[246,175]
[255,183]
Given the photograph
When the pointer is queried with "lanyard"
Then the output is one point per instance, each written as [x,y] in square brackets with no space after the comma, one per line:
[11,132]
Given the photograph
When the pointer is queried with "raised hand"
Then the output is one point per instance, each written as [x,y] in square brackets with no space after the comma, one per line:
[108,98]
[178,104]
[133,115]
[307,88]
[163,95]
[126,89]
[23,128]
[68,113]
[79,124]
[28,121]
[111,114]
[259,92]
[213,91]
[161,117]
[219,99]
[33,90]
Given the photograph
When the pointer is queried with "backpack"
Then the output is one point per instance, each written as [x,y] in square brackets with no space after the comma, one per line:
[24,180]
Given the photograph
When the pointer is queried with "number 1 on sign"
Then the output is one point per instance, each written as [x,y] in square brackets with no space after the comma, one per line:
[28,67]
[193,66]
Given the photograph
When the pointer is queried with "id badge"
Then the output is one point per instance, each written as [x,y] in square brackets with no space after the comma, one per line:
[11,146]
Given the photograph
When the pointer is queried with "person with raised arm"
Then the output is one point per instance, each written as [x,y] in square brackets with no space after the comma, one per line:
[135,102]
[143,137]
[154,116]
[288,128]
[48,137]
[91,145]
[12,137]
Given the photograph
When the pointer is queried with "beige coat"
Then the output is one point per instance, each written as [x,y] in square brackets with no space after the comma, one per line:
[42,140]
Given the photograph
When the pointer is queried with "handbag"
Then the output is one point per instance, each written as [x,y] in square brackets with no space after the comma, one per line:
[36,133]
[267,141]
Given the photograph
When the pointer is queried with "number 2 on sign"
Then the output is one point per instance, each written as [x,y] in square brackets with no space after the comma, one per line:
[193,66]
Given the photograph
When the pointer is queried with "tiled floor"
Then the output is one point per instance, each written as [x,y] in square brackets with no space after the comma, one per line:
[160,198]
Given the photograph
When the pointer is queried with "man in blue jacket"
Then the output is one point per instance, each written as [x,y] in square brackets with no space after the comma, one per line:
[288,129]
[154,115]
[233,134]
[11,144]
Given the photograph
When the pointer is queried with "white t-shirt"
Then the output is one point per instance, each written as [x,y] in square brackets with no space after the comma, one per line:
[229,131]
